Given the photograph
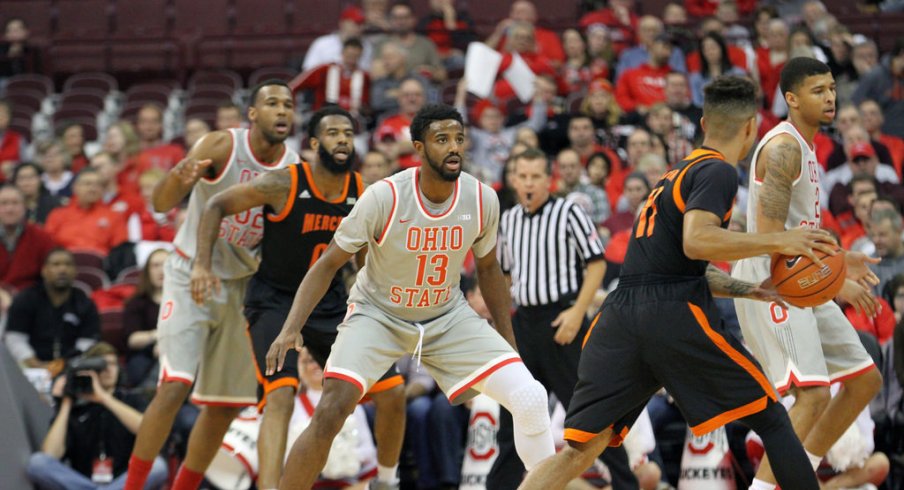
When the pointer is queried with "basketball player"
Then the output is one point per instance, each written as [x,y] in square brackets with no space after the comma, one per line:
[804,349]
[418,226]
[303,205]
[206,345]
[661,327]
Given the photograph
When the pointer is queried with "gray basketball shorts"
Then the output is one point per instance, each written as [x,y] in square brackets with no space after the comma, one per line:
[205,344]
[459,348]
[798,346]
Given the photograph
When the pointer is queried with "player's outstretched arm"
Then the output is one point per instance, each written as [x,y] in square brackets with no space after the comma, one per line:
[705,239]
[269,188]
[206,158]
[496,295]
[310,292]
[724,286]
[778,165]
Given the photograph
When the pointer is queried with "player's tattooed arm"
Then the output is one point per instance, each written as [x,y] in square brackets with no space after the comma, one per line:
[725,286]
[782,167]
[273,188]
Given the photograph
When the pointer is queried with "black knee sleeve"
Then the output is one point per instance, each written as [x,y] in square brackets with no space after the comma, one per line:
[789,461]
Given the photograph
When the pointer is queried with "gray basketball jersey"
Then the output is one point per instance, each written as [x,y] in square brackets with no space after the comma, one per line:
[416,249]
[233,256]
[804,209]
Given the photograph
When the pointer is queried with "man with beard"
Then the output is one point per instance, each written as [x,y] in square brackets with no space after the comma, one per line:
[417,227]
[205,345]
[304,204]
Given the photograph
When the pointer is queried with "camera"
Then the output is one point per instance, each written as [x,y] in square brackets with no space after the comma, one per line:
[80,384]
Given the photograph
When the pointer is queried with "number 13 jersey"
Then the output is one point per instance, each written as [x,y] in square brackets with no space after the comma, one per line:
[416,248]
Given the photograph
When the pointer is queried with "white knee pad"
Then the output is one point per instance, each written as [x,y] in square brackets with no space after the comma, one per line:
[530,408]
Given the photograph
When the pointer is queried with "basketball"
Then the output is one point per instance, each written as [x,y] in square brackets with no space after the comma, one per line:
[802,283]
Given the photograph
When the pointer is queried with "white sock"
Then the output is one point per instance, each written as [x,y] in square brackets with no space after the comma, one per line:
[387,473]
[761,485]
[815,461]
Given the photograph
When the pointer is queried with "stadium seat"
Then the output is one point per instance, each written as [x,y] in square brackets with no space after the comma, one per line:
[97,81]
[87,258]
[266,73]
[262,17]
[157,93]
[211,92]
[318,17]
[82,19]
[84,97]
[35,13]
[129,275]
[75,112]
[224,78]
[142,19]
[22,126]
[207,18]
[29,81]
[197,107]
[92,276]
[78,55]
[145,55]
[25,101]
[112,329]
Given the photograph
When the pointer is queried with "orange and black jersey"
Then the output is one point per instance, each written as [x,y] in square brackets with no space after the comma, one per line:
[301,232]
[704,181]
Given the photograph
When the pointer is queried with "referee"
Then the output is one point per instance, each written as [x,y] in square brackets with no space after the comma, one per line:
[553,261]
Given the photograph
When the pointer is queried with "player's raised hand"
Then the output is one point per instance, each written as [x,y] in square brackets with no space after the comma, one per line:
[189,170]
[807,241]
[288,339]
[860,297]
[204,284]
[858,269]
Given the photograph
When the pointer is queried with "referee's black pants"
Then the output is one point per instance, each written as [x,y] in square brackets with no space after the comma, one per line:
[556,367]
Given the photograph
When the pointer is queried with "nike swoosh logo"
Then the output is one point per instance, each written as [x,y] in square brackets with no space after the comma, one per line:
[790,263]
[404,220]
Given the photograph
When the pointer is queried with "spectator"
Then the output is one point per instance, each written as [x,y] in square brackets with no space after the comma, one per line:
[155,153]
[873,120]
[861,158]
[122,142]
[885,226]
[772,57]
[72,136]
[883,84]
[52,319]
[574,186]
[599,104]
[386,89]
[521,41]
[375,166]
[851,130]
[636,191]
[125,204]
[25,246]
[344,84]
[422,58]
[139,321]
[579,70]
[328,47]
[376,18]
[38,200]
[706,8]
[737,55]
[195,128]
[653,167]
[763,15]
[714,61]
[17,55]
[154,226]
[896,288]
[649,29]
[13,145]
[94,431]
[393,135]
[54,162]
[87,223]
[865,55]
[644,85]
[668,127]
[841,44]
[229,116]
[852,223]
[854,237]
[801,41]
[450,29]
[545,43]
[686,113]
[598,166]
[619,18]
[600,48]
[674,19]
[490,140]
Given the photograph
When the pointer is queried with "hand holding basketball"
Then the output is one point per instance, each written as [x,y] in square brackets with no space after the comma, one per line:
[805,282]
[807,242]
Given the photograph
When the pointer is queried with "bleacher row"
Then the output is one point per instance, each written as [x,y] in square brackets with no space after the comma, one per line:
[95,101]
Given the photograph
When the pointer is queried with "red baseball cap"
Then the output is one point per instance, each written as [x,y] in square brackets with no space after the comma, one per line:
[600,84]
[861,150]
[353,14]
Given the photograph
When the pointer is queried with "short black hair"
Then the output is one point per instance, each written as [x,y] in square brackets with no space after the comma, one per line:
[58,250]
[330,110]
[266,83]
[430,113]
[863,177]
[534,154]
[797,70]
[353,42]
[728,103]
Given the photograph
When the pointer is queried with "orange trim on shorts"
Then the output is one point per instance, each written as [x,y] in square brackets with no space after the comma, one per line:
[590,329]
[290,200]
[577,435]
[730,416]
[313,186]
[386,384]
[730,351]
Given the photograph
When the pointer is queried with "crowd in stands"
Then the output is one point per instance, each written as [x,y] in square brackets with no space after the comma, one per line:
[615,102]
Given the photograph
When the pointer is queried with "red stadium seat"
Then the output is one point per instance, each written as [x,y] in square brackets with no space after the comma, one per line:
[145,55]
[142,19]
[211,92]
[22,126]
[25,101]
[82,19]
[263,17]
[75,111]
[87,258]
[112,329]
[129,275]
[207,18]
[84,97]
[97,81]
[35,13]
[29,81]
[266,73]
[95,278]
[316,17]
[224,78]
[149,93]
[78,55]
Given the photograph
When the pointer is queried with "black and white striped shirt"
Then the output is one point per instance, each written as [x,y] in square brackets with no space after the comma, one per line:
[546,252]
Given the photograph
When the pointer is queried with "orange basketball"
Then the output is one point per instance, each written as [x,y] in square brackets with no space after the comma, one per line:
[803,284]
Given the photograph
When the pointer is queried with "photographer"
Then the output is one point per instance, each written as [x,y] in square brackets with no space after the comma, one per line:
[94,429]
